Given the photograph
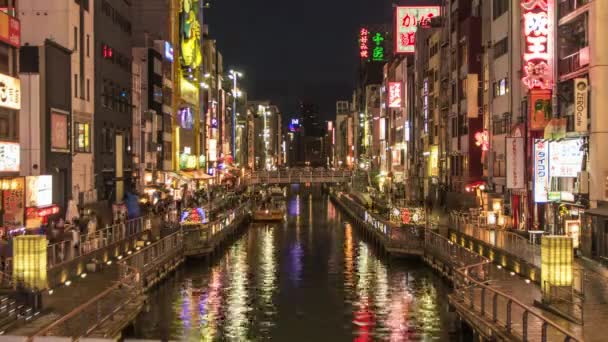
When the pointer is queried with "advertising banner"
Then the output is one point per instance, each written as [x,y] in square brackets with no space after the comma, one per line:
[394,95]
[59,131]
[541,171]
[515,163]
[9,157]
[10,92]
[39,191]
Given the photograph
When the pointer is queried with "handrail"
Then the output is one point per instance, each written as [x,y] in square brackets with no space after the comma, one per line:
[470,282]
[94,307]
[62,252]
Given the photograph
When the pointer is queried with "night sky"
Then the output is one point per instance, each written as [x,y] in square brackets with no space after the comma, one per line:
[294,50]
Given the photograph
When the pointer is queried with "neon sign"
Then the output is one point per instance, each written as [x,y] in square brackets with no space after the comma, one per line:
[482,140]
[378,51]
[363,43]
[537,71]
[407,21]
[394,94]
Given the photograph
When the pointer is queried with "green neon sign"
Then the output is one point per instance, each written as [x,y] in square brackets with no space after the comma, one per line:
[378,50]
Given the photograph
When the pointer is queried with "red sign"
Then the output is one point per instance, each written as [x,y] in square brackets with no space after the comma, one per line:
[405,216]
[363,43]
[10,30]
[537,69]
[394,94]
[42,212]
[407,21]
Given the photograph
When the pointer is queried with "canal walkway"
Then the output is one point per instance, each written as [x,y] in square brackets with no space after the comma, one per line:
[591,306]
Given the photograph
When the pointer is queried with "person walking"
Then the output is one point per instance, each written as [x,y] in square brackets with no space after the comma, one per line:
[75,242]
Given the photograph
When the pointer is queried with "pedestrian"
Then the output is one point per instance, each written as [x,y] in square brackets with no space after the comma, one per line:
[75,241]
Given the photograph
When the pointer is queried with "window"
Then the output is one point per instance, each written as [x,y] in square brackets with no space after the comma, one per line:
[109,141]
[500,7]
[75,85]
[501,47]
[501,87]
[88,38]
[88,90]
[75,38]
[158,67]
[82,132]
[454,127]
[157,94]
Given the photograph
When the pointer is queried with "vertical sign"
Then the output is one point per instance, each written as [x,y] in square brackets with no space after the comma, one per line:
[472,96]
[515,162]
[537,33]
[363,43]
[407,21]
[425,104]
[394,94]
[378,50]
[541,171]
[580,104]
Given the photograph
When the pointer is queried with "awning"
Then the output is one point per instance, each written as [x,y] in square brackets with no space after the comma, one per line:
[600,211]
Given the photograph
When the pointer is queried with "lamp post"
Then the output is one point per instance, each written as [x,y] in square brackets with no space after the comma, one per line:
[234,75]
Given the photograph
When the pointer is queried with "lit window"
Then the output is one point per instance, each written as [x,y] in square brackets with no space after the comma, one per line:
[83,137]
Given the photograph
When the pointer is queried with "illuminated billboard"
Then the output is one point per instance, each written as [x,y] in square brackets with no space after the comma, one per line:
[537,50]
[407,21]
[394,94]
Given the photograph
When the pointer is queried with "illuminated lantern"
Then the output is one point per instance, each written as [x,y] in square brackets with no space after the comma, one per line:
[556,254]
[30,255]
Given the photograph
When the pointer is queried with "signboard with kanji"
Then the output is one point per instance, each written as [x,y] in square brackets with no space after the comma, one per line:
[407,21]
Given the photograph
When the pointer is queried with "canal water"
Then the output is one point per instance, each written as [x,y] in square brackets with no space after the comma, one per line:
[310,278]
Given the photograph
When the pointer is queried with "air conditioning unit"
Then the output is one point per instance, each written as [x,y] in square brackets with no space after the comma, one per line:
[583,182]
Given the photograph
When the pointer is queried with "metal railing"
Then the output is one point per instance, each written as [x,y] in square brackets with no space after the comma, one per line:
[508,241]
[200,236]
[151,256]
[471,279]
[89,316]
[65,251]
[394,235]
[298,176]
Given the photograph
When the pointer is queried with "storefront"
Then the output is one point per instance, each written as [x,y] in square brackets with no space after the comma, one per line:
[557,194]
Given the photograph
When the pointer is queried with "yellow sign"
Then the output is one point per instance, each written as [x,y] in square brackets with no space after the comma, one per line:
[188,91]
[30,260]
[433,163]
[190,34]
[556,262]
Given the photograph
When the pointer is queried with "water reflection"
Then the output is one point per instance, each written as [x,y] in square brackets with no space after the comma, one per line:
[276,284]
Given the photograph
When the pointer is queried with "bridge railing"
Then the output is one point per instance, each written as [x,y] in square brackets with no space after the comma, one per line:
[472,282]
[299,176]
[91,315]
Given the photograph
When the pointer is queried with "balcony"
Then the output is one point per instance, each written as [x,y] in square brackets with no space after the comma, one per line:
[573,62]
[568,6]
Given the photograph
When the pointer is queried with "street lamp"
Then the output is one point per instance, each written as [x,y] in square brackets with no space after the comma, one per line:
[234,76]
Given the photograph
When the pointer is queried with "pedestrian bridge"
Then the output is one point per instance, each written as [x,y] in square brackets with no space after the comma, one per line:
[297,176]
